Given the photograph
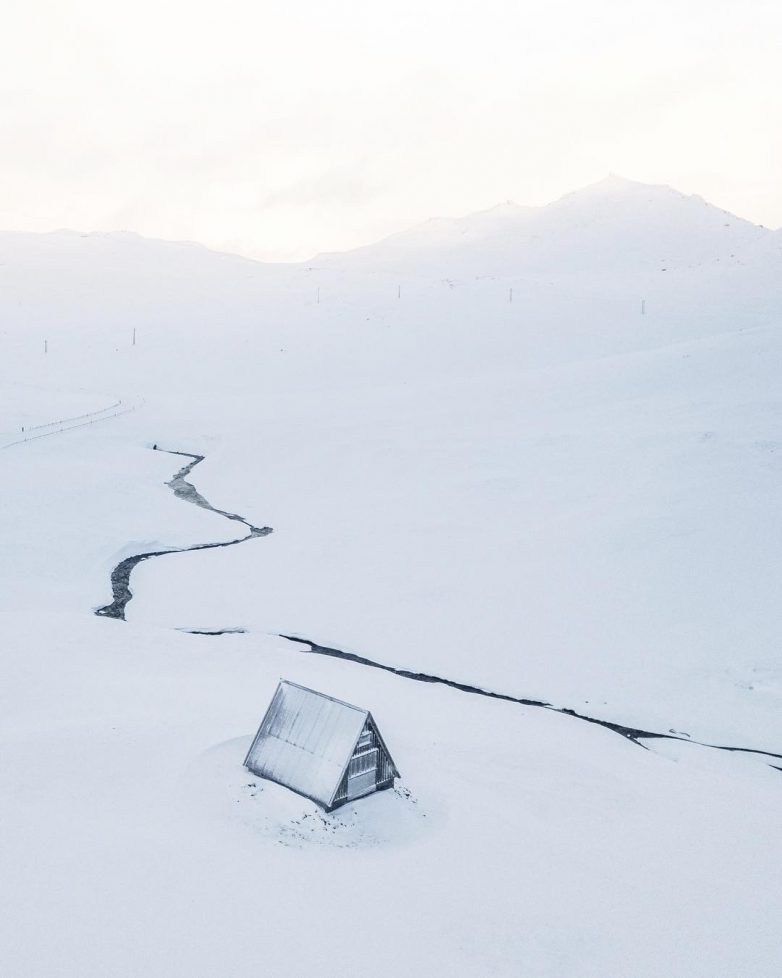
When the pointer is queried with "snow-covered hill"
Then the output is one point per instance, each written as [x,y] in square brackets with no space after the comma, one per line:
[615,225]
[535,451]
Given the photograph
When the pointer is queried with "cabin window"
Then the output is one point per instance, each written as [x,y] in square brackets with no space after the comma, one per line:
[365,740]
[363,762]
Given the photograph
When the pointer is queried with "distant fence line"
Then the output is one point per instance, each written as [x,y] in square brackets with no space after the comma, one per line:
[76,417]
[67,424]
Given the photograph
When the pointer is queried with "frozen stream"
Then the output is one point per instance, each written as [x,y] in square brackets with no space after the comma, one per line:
[182,489]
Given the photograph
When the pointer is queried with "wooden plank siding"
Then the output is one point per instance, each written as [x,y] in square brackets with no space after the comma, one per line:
[369,754]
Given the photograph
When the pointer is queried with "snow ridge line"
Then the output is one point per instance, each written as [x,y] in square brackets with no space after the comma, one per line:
[182,489]
[65,424]
[634,734]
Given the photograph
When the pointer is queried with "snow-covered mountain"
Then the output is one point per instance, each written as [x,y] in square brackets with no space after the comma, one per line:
[615,224]
[611,225]
[579,270]
[534,451]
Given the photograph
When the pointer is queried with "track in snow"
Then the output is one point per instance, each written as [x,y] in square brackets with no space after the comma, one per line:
[49,428]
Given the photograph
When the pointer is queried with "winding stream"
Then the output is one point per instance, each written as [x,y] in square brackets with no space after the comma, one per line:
[182,489]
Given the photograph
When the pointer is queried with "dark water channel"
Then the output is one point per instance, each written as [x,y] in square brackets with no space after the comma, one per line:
[182,489]
[186,491]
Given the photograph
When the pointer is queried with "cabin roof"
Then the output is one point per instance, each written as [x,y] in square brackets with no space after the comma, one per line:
[305,741]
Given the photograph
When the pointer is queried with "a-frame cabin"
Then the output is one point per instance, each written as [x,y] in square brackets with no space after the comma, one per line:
[327,750]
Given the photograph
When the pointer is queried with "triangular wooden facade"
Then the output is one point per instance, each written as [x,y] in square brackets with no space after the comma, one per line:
[370,755]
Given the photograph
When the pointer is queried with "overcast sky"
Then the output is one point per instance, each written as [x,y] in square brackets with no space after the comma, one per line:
[278,130]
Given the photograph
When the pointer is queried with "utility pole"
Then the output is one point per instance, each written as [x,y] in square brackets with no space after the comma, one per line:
[134,336]
[643,307]
[45,346]
[510,295]
[399,291]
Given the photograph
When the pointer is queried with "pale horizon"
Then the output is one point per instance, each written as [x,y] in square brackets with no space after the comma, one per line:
[278,134]
[393,231]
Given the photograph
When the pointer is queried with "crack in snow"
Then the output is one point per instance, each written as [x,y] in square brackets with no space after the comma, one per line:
[635,734]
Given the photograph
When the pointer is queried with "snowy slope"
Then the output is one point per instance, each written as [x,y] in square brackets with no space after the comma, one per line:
[568,497]
[615,224]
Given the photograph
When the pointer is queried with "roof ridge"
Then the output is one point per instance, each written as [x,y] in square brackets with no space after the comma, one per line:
[324,696]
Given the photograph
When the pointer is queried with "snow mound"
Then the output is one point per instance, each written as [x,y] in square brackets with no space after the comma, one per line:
[280,816]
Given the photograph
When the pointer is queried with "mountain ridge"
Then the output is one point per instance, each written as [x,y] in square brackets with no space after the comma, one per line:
[508,234]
